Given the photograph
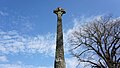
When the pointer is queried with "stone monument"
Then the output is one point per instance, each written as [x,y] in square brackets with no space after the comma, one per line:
[59,54]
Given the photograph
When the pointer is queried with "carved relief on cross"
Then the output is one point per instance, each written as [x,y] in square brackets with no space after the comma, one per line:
[59,11]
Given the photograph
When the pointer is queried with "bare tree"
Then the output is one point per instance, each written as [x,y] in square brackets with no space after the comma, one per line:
[97,44]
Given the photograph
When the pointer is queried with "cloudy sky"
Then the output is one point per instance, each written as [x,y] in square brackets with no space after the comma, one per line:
[28,29]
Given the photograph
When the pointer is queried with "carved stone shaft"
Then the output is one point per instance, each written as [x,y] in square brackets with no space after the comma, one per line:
[59,54]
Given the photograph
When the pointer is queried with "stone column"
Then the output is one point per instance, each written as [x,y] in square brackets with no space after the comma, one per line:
[59,54]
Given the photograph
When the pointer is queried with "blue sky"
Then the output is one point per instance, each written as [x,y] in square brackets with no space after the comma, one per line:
[28,27]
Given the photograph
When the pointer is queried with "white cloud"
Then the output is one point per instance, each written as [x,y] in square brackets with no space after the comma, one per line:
[2,13]
[16,66]
[46,67]
[71,62]
[13,42]
[3,59]
[20,65]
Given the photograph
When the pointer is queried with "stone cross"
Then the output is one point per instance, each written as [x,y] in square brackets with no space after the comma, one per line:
[59,54]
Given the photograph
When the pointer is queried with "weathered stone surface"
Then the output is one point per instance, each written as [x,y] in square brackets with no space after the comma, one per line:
[59,54]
